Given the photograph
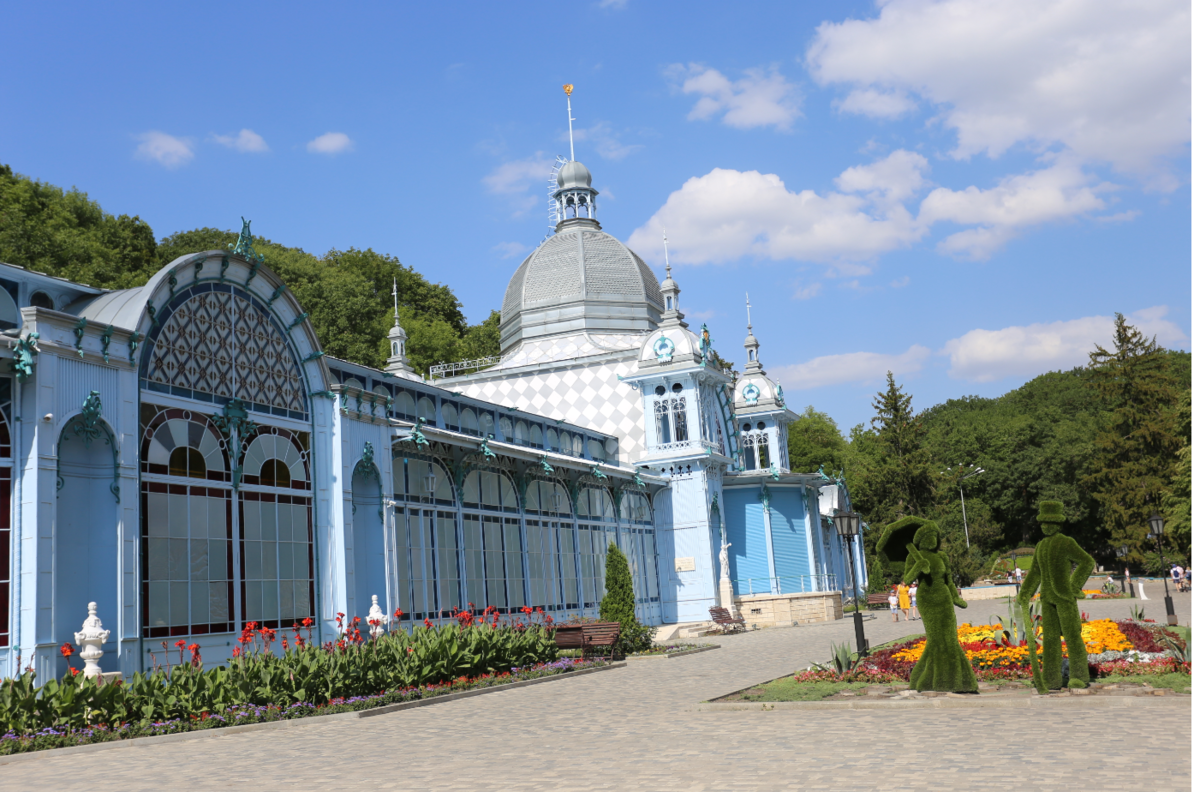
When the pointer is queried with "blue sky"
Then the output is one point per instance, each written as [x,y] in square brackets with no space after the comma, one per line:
[962,192]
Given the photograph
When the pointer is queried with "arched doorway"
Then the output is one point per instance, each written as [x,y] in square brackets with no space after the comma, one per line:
[86,530]
[370,567]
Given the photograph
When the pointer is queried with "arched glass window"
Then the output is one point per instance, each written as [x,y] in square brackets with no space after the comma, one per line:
[468,422]
[535,436]
[426,409]
[577,445]
[521,433]
[552,439]
[404,406]
[487,425]
[450,415]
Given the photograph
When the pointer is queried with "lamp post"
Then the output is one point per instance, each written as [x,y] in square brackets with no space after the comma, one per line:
[1123,551]
[972,471]
[1156,530]
[847,527]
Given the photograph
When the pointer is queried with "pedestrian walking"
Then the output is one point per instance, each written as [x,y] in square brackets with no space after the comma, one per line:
[1176,573]
[902,593]
[894,604]
[912,598]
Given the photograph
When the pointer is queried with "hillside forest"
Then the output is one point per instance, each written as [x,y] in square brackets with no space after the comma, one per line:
[1111,440]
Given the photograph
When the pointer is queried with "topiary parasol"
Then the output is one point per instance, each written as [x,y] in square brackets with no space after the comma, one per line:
[892,546]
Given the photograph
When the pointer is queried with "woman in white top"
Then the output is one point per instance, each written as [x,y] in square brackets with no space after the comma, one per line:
[912,597]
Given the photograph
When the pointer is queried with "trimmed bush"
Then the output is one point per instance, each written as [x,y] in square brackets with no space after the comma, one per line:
[618,604]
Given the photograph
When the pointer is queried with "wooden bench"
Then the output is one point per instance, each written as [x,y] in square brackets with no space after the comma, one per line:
[878,598]
[722,618]
[598,635]
[569,636]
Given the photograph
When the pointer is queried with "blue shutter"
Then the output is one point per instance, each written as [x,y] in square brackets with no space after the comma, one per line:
[789,539]
[746,531]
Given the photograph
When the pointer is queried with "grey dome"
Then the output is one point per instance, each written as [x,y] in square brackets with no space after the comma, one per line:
[579,279]
[574,176]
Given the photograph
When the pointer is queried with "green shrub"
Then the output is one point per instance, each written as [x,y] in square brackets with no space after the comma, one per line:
[284,674]
[618,604]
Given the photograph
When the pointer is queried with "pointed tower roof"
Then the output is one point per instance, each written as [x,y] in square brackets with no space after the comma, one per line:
[398,363]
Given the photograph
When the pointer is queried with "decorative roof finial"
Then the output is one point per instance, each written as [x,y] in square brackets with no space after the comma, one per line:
[665,256]
[748,325]
[245,244]
[570,129]
[395,302]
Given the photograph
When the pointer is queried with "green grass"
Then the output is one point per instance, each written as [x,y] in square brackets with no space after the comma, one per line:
[1176,682]
[788,689]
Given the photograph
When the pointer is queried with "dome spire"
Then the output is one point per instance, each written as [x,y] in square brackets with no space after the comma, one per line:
[570,129]
[752,362]
[670,291]
[398,363]
[575,198]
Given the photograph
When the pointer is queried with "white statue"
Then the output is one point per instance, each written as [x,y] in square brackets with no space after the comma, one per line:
[724,558]
[90,639]
[376,617]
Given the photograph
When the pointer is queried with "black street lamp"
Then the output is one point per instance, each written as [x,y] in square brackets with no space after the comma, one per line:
[847,528]
[1156,530]
[1122,551]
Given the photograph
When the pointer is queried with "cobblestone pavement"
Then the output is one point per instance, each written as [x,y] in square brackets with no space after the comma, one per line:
[638,728]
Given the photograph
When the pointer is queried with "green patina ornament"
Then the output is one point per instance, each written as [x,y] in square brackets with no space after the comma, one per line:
[24,356]
[943,665]
[244,248]
[1051,570]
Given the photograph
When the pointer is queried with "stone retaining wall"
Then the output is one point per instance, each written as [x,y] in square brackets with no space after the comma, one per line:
[786,610]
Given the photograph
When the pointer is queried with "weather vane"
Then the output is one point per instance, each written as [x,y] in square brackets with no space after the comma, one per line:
[748,325]
[666,257]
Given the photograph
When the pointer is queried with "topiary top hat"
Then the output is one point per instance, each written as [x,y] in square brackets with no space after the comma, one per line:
[1051,512]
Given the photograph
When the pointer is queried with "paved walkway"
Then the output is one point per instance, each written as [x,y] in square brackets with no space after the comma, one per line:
[638,728]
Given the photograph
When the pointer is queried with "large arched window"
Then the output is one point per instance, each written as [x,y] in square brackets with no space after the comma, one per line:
[597,529]
[276,532]
[494,572]
[187,526]
[426,538]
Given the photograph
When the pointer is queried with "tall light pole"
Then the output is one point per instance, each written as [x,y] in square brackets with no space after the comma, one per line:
[971,471]
[847,523]
[1156,530]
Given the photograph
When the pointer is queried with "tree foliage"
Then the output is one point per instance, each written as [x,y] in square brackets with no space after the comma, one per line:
[1138,442]
[814,442]
[347,293]
[618,604]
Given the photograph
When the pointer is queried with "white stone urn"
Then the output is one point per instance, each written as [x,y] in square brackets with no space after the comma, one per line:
[90,639]
[376,615]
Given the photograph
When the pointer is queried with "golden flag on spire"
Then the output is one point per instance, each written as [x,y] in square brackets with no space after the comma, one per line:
[568,88]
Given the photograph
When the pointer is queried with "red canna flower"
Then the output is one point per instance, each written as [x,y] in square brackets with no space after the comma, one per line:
[285,643]
[237,651]
[179,644]
[428,624]
[66,650]
[307,622]
[74,670]
[398,613]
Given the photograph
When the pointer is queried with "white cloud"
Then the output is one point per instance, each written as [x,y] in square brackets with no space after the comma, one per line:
[701,316]
[519,175]
[1106,79]
[1058,192]
[876,104]
[606,142]
[761,98]
[807,292]
[1029,350]
[167,150]
[510,249]
[246,141]
[728,214]
[857,367]
[618,4]
[331,143]
[900,283]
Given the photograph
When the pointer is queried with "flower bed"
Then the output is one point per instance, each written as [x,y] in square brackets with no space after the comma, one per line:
[50,737]
[262,674]
[670,649]
[996,660]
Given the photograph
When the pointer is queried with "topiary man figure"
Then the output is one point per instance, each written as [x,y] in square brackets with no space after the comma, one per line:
[1051,569]
[943,664]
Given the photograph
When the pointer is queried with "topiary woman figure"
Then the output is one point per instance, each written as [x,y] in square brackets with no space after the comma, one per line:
[1051,569]
[943,665]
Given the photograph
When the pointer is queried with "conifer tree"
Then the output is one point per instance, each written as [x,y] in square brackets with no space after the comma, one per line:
[1178,501]
[1135,451]
[618,604]
[900,483]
